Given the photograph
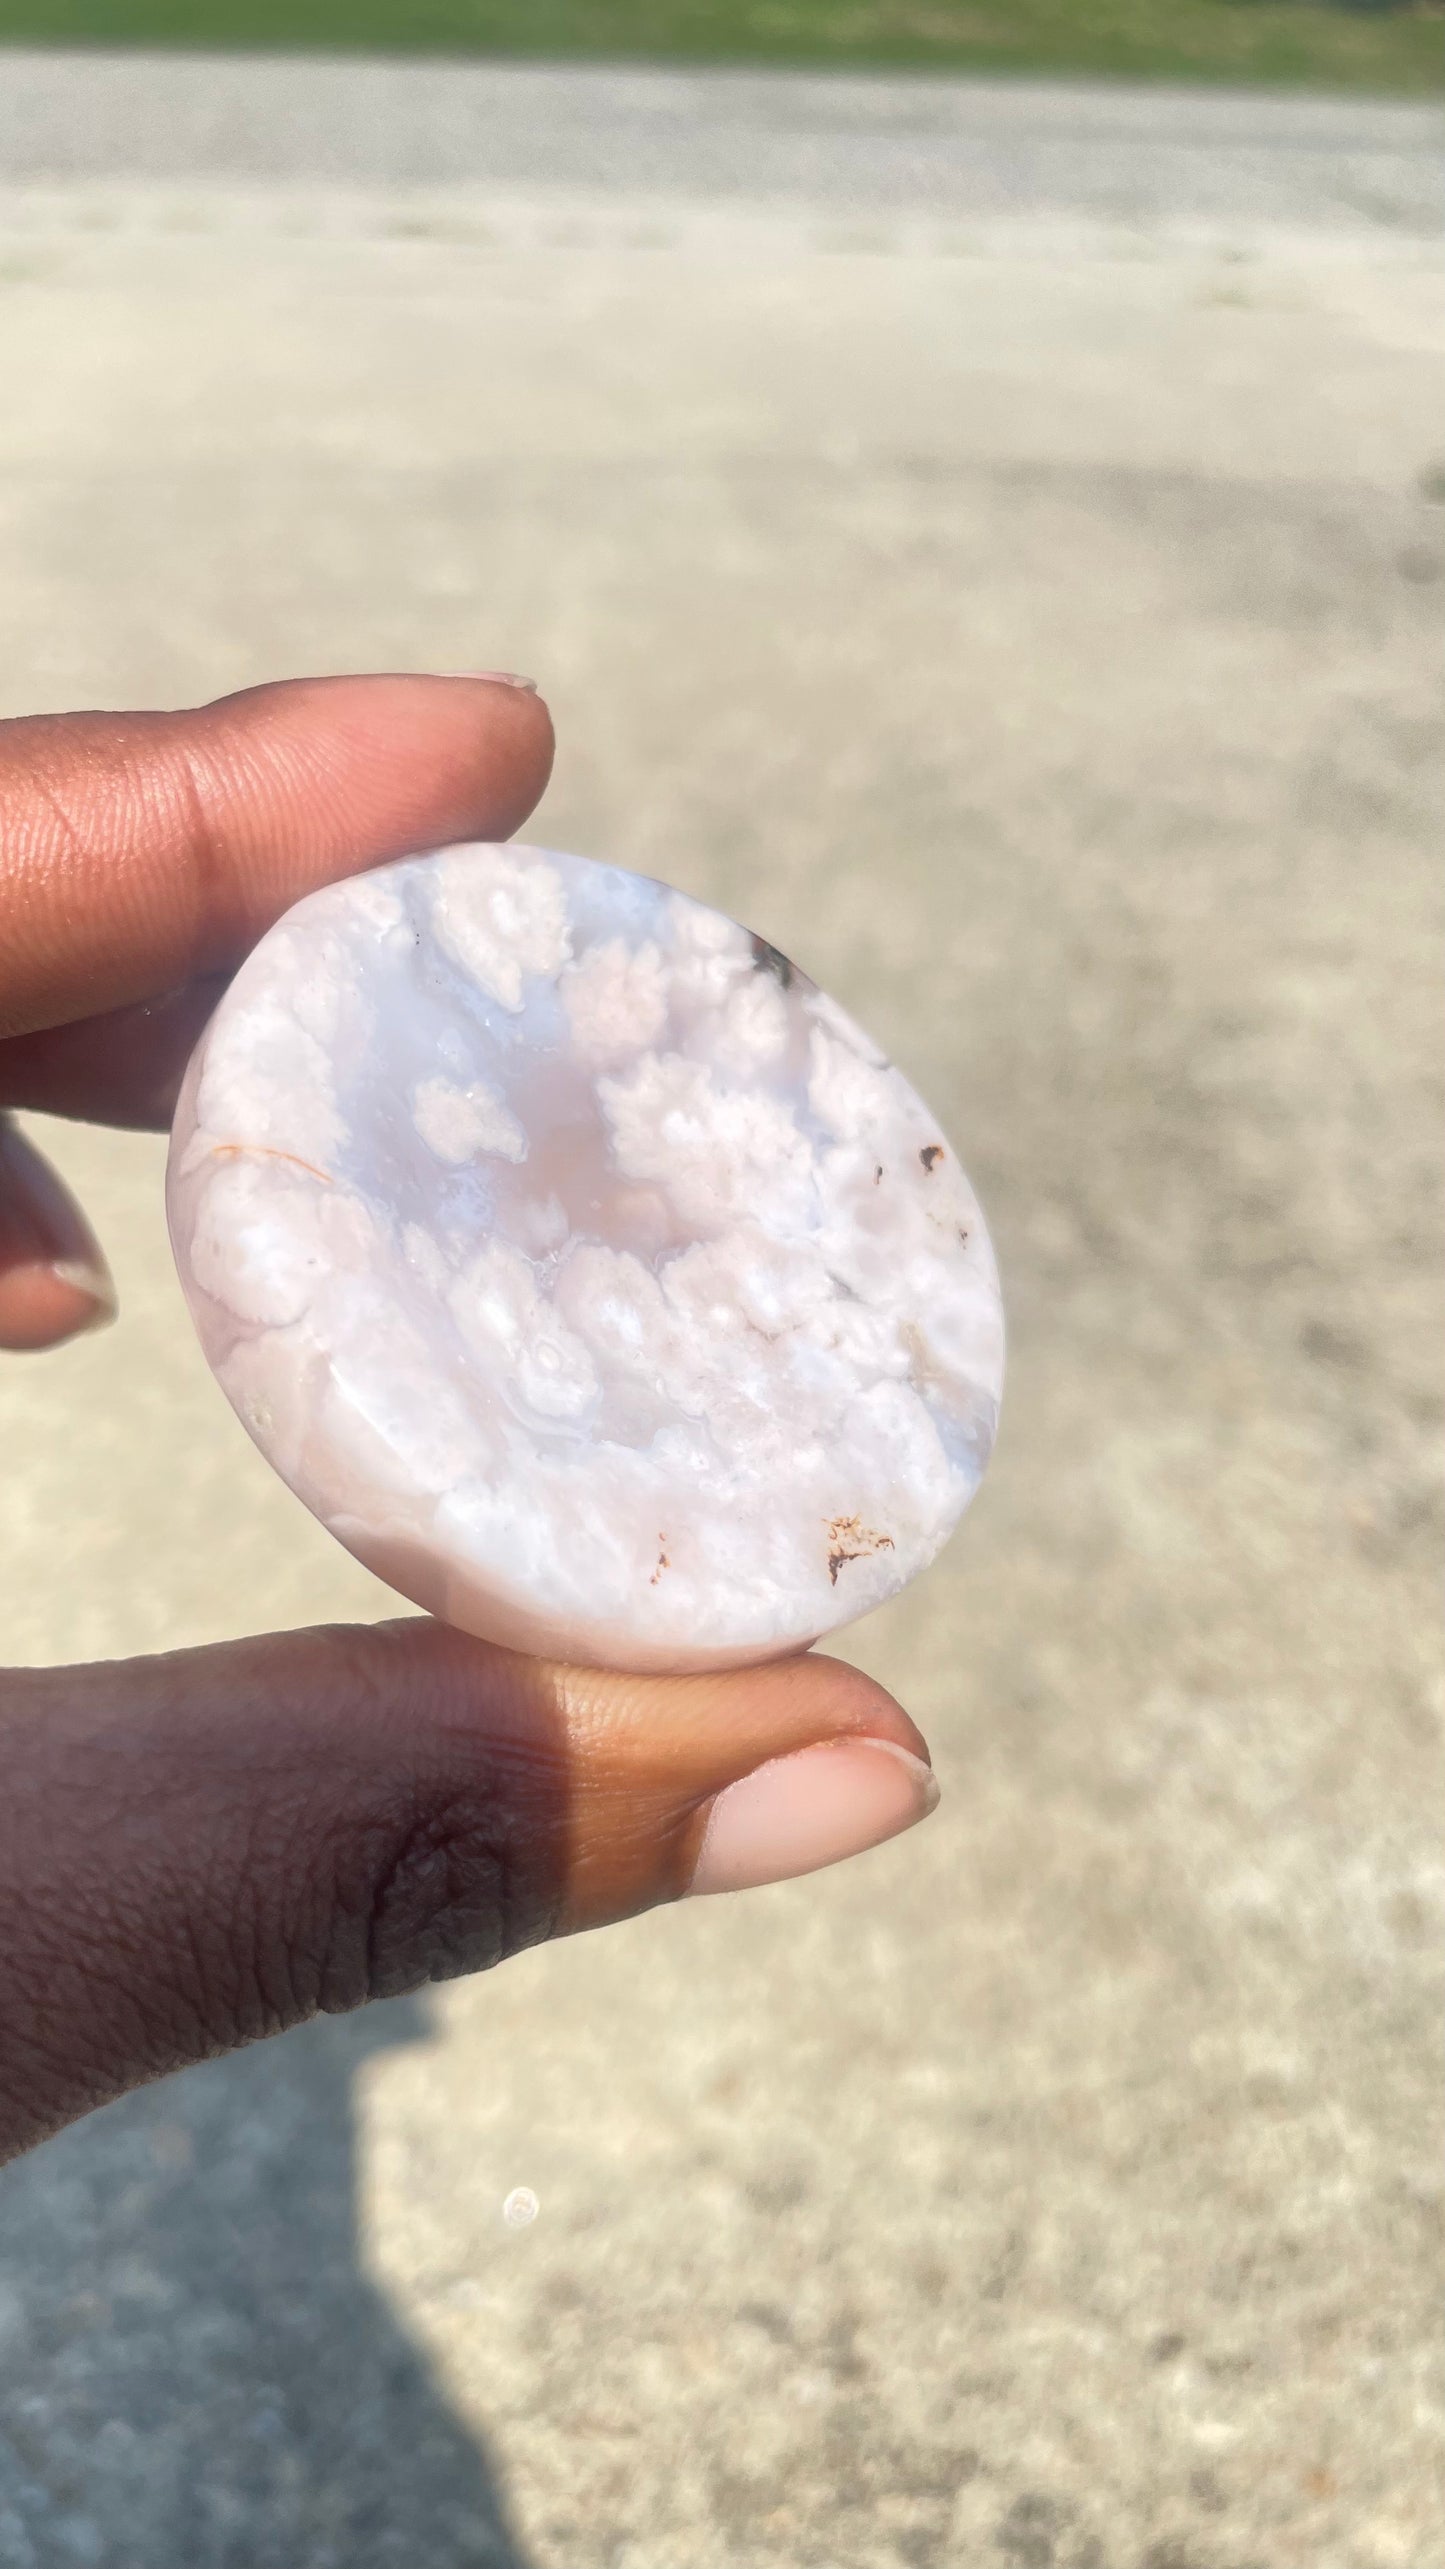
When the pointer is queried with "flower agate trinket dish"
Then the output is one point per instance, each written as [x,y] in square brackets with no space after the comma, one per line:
[581,1265]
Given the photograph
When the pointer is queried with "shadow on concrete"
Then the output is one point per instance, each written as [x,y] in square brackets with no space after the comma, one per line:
[195,2370]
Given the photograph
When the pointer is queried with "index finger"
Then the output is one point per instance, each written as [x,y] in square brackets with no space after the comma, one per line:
[139,851]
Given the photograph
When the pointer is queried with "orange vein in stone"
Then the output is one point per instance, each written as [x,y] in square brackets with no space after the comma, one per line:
[263,1151]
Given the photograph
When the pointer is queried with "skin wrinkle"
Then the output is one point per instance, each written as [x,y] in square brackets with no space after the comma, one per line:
[280,1849]
[307,781]
[444,1886]
[442,1907]
[71,846]
[120,808]
[264,775]
[54,1950]
[97,1935]
[206,867]
[405,1886]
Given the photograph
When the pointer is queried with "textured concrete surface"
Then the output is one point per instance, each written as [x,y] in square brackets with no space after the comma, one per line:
[834,144]
[1044,640]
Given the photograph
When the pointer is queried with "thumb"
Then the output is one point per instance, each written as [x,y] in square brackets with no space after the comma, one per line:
[200,1850]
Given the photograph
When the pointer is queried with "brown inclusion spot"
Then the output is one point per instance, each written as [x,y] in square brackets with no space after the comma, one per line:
[663,1562]
[852,1540]
[264,1151]
[930,1155]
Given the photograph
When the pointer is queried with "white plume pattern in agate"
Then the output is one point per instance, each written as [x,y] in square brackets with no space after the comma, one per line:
[581,1265]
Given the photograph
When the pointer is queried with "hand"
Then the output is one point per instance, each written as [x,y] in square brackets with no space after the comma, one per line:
[202,1849]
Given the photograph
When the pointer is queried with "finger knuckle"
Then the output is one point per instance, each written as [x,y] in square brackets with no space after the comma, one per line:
[429,1896]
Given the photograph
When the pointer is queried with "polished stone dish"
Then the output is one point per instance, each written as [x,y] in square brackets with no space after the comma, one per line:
[581,1265]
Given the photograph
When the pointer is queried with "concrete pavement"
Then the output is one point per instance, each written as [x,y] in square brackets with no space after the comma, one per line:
[1041,635]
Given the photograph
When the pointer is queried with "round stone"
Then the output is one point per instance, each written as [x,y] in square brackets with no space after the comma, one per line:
[582,1265]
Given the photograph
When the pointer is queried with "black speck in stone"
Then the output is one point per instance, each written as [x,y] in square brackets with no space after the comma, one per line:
[768,959]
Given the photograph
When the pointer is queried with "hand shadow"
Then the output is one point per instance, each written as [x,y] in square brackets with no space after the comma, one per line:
[195,2370]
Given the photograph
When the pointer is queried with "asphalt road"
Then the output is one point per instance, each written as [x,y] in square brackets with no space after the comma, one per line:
[1038,630]
[939,149]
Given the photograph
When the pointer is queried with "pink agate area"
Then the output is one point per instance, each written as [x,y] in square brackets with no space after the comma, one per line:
[581,1265]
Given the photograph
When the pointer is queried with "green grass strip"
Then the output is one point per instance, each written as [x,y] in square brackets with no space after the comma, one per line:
[1340,44]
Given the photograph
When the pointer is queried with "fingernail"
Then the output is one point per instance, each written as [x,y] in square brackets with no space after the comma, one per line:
[54,1282]
[96,1284]
[799,1813]
[497,678]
